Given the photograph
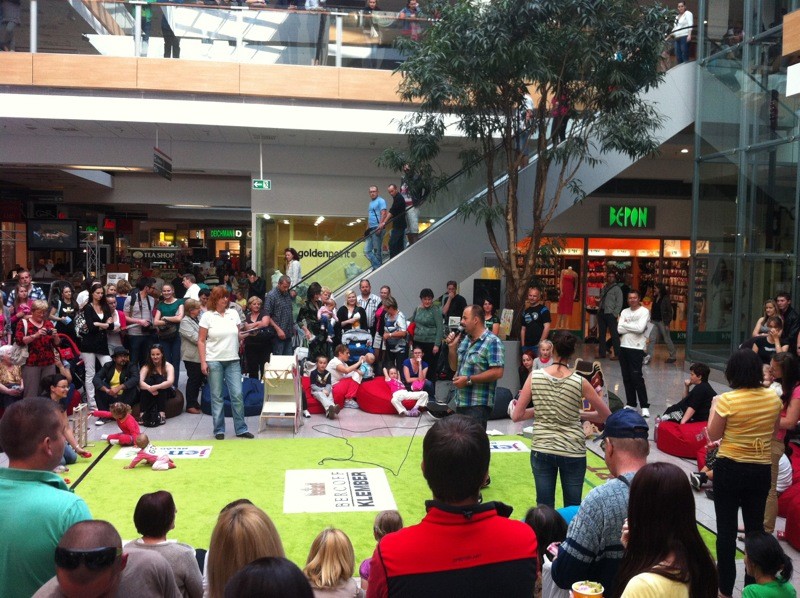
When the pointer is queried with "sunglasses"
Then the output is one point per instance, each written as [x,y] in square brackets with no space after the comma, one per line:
[93,558]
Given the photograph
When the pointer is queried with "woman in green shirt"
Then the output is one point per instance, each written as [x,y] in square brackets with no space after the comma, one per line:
[428,330]
[167,319]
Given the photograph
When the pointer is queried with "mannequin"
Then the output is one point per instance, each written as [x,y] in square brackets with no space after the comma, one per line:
[568,285]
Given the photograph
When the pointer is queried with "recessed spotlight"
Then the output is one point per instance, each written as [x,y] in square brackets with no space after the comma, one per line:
[685,151]
[432,220]
[286,222]
[266,216]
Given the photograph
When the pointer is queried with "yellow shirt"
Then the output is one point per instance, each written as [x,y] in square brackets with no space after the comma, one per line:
[751,415]
[652,585]
[114,378]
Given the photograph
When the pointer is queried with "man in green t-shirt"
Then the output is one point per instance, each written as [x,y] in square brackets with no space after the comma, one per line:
[37,505]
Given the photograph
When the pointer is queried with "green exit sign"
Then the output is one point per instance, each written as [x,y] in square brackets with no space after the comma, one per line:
[262,184]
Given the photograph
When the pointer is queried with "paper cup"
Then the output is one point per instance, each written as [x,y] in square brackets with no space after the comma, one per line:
[587,589]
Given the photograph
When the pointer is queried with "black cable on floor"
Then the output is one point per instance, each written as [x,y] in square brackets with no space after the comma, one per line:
[350,459]
[88,469]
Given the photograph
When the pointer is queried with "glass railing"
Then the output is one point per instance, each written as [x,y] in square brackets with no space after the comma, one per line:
[229,33]
[352,263]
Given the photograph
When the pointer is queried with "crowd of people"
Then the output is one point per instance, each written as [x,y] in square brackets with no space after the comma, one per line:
[611,536]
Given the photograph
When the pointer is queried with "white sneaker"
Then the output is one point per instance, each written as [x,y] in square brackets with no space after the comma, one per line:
[306,414]
[104,437]
[645,412]
[629,407]
[99,422]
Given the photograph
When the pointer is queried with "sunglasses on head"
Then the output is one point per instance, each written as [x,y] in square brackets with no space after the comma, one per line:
[93,558]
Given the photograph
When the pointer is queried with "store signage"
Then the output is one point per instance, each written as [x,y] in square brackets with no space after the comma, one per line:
[627,217]
[154,253]
[226,233]
[262,184]
[571,251]
[162,164]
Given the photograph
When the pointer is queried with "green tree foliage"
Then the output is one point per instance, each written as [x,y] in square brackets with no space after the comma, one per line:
[470,70]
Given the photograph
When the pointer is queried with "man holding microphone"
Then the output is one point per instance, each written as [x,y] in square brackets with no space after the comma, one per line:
[477,357]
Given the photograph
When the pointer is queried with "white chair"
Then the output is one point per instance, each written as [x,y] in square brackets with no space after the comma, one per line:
[281,391]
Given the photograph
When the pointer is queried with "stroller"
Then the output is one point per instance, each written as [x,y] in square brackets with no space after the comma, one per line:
[68,352]
[358,341]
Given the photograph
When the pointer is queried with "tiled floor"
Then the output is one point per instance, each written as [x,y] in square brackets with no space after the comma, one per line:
[664,383]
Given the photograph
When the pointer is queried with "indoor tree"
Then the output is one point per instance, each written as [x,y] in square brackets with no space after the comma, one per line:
[583,62]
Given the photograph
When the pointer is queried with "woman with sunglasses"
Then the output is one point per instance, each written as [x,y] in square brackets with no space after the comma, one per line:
[168,316]
[156,380]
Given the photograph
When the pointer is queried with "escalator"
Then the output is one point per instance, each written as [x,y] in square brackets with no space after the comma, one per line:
[452,249]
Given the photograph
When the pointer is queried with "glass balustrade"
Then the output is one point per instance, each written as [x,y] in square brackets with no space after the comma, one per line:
[223,33]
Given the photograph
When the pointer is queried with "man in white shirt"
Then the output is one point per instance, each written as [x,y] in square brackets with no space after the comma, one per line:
[682,33]
[632,327]
[191,286]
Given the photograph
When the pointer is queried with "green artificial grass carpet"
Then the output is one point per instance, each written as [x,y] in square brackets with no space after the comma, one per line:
[256,470]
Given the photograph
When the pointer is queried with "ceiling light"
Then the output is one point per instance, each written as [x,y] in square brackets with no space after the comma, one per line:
[432,220]
[319,220]
[266,216]
[685,151]
[286,222]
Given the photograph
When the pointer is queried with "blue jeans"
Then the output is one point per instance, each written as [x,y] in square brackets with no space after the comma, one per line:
[70,456]
[231,373]
[172,354]
[682,49]
[373,247]
[139,347]
[282,347]
[546,467]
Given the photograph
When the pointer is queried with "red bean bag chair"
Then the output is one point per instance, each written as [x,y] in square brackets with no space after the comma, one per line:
[374,396]
[314,406]
[681,440]
[792,493]
[791,510]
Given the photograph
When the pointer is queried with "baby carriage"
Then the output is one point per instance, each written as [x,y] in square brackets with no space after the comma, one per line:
[358,341]
[69,353]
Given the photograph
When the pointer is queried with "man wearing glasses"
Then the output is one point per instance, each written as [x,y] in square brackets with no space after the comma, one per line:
[90,563]
[37,505]
[593,549]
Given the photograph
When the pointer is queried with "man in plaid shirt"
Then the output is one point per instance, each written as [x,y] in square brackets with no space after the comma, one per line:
[35,292]
[478,359]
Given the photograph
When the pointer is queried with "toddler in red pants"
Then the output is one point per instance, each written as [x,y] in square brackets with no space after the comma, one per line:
[126,422]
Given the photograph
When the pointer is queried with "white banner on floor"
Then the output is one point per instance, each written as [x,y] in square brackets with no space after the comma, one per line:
[508,446]
[173,452]
[336,490]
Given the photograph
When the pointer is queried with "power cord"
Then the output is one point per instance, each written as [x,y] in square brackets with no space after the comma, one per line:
[351,459]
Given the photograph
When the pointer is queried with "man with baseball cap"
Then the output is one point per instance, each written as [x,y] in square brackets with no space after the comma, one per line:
[592,549]
[116,382]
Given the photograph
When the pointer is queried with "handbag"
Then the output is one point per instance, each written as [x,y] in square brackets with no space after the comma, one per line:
[81,327]
[19,353]
[167,332]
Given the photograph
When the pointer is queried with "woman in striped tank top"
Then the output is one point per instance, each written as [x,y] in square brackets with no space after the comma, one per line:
[558,444]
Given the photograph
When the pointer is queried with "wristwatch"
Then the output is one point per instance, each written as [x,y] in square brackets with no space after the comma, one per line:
[469,380]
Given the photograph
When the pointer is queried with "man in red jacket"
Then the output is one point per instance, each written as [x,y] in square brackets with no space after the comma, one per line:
[462,547]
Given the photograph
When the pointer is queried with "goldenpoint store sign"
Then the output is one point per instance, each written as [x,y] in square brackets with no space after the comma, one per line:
[314,253]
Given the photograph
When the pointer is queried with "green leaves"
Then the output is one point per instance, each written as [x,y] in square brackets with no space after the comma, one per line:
[587,59]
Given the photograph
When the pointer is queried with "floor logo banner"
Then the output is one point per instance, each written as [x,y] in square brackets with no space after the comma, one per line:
[508,446]
[336,490]
[173,452]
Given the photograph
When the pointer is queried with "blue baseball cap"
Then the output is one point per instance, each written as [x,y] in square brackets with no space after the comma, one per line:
[625,423]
